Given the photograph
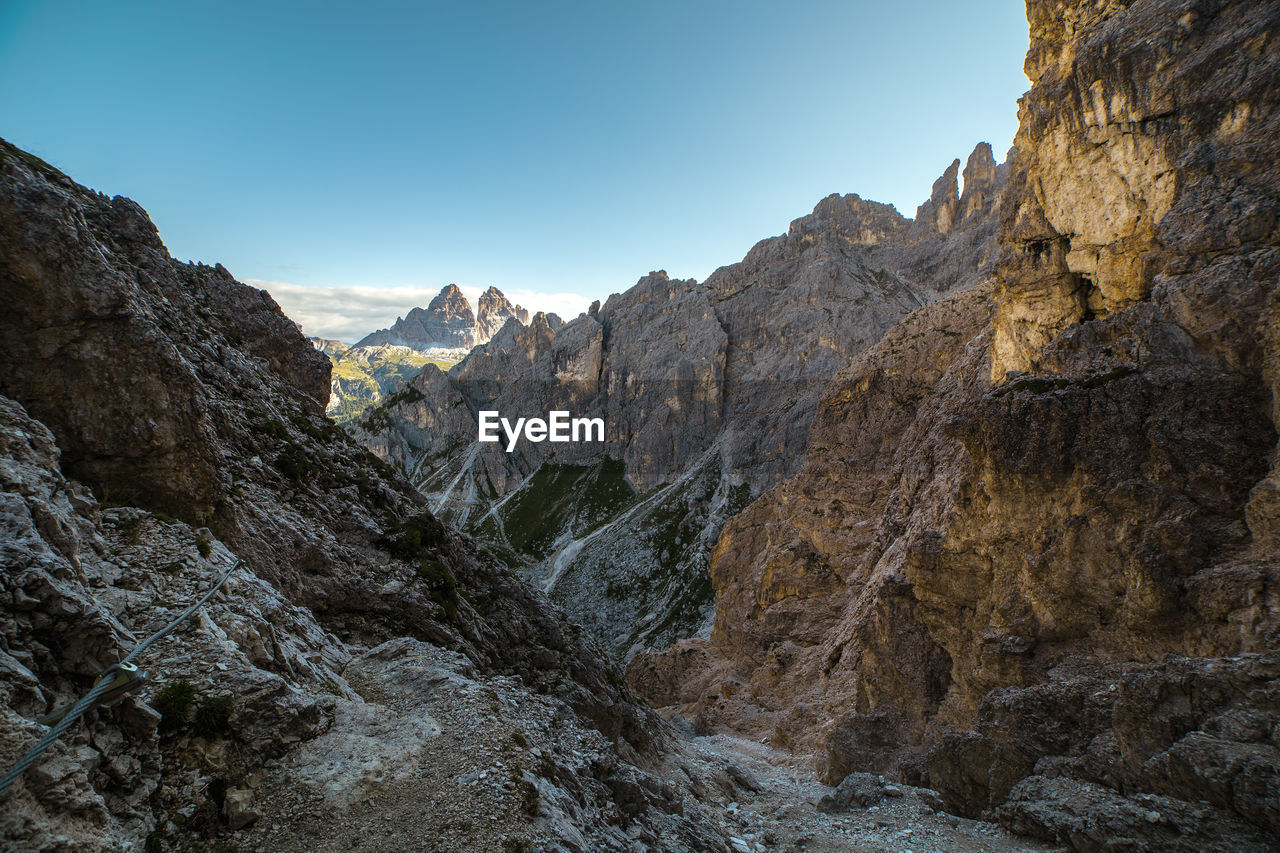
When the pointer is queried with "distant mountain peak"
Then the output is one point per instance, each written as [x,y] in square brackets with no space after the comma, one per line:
[449,322]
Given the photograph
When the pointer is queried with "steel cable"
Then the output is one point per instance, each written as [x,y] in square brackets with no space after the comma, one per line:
[106,682]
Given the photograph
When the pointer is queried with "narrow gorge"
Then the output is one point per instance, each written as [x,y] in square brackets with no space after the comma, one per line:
[952,532]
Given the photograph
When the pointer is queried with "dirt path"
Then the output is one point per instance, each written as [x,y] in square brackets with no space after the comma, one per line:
[439,760]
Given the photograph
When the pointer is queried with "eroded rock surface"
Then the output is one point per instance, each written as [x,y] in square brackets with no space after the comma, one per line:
[1024,500]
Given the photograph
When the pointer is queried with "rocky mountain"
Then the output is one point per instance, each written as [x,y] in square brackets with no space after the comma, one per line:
[492,313]
[449,322]
[991,499]
[1031,557]
[159,420]
[707,391]
[370,371]
[365,375]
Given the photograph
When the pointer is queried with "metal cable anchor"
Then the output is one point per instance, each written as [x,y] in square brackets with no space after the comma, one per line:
[123,679]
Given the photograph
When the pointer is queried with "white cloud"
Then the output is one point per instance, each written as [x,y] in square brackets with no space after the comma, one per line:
[349,313]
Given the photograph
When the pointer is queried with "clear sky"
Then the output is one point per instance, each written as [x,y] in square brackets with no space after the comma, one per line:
[368,153]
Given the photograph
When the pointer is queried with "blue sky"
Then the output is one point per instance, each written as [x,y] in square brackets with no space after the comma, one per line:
[364,155]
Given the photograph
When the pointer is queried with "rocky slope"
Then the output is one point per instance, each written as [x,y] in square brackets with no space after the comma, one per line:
[707,392]
[1031,557]
[449,322]
[359,629]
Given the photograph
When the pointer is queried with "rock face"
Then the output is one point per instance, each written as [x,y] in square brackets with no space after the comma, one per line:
[81,579]
[259,712]
[1138,182]
[492,313]
[180,391]
[448,322]
[1031,556]
[707,392]
[71,297]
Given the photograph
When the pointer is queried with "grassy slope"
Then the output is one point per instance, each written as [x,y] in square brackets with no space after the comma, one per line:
[375,376]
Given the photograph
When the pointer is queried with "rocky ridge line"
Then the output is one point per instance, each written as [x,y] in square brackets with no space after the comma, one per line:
[449,322]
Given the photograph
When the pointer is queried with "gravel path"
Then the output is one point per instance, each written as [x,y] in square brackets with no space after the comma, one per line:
[783,816]
[435,758]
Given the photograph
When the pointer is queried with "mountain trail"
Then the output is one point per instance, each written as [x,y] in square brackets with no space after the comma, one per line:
[782,811]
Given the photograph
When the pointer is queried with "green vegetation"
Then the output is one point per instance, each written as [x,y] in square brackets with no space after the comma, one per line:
[656,560]
[1046,384]
[204,544]
[213,717]
[266,425]
[440,581]
[382,467]
[131,529]
[363,374]
[407,394]
[530,799]
[416,540]
[411,538]
[577,498]
[173,703]
[351,373]
[294,463]
[306,424]
[35,163]
[349,409]
[374,419]
[739,498]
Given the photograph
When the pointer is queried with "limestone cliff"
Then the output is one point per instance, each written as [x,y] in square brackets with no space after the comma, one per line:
[1031,556]
[707,392]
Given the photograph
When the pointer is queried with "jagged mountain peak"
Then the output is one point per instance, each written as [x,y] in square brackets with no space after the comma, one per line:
[450,294]
[940,211]
[450,322]
[851,217]
[494,311]
[951,587]
[979,179]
